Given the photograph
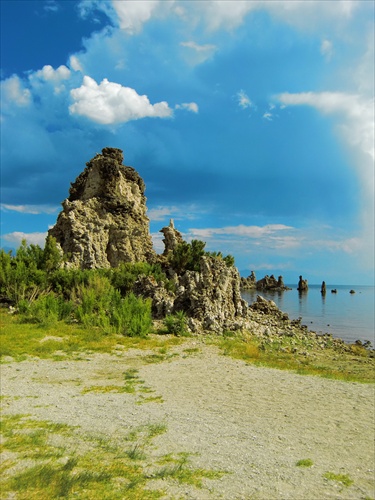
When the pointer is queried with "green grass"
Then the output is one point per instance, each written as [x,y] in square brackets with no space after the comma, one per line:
[84,466]
[62,341]
[305,462]
[133,385]
[322,362]
[66,341]
[341,478]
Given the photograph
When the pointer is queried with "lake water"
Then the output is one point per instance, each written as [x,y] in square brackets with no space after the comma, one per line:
[347,316]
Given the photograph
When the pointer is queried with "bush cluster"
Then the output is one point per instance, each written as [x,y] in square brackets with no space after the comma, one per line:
[44,293]
[187,256]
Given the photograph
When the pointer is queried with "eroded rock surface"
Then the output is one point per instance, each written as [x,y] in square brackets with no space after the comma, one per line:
[104,222]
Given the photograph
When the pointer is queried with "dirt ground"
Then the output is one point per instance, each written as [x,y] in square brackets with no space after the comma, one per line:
[254,423]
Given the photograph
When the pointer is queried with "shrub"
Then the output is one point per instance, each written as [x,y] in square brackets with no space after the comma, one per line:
[176,323]
[46,310]
[131,316]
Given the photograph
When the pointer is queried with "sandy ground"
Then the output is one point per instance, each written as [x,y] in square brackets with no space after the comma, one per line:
[254,423]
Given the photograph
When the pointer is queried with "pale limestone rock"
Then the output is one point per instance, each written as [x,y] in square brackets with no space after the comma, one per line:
[104,222]
[172,238]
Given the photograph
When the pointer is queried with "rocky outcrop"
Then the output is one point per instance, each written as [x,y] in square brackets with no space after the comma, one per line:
[104,222]
[270,283]
[302,285]
[249,283]
[211,298]
[172,238]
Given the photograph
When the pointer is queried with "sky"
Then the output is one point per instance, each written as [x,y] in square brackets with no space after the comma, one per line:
[251,123]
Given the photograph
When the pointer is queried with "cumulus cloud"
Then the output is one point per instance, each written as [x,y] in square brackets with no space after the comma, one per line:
[190,106]
[75,64]
[132,15]
[13,90]
[111,103]
[47,73]
[31,238]
[30,209]
[223,14]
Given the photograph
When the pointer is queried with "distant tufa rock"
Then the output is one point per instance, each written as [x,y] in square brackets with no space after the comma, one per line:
[268,283]
[302,285]
[249,283]
[104,222]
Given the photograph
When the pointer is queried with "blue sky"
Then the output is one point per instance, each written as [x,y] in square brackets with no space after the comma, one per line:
[251,122]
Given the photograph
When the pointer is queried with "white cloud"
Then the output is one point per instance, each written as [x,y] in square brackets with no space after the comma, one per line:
[132,15]
[268,116]
[47,73]
[110,103]
[199,48]
[242,230]
[244,100]
[225,14]
[31,238]
[198,53]
[30,209]
[13,90]
[75,64]
[357,112]
[186,212]
[190,106]
[326,49]
[161,213]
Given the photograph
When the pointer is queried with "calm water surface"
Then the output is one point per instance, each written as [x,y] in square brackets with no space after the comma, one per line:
[345,315]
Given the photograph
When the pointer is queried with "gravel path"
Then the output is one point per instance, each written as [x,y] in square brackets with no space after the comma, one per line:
[255,423]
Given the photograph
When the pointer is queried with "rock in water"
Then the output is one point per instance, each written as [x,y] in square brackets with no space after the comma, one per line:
[104,222]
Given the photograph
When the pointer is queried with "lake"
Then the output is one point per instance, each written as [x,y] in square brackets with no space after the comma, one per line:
[347,316]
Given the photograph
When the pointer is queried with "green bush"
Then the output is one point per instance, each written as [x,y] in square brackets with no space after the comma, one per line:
[46,310]
[132,317]
[176,323]
[187,256]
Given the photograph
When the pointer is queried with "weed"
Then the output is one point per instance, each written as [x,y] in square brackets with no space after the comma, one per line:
[341,478]
[305,462]
[135,453]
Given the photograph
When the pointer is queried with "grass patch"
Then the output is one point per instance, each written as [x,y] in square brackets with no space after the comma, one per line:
[309,360]
[61,340]
[177,468]
[305,462]
[133,385]
[341,478]
[85,466]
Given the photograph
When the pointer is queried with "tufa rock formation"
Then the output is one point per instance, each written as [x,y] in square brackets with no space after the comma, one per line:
[104,222]
[302,285]
[268,283]
[249,282]
[172,238]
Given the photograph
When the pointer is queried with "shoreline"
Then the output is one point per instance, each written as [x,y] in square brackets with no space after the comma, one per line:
[337,314]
